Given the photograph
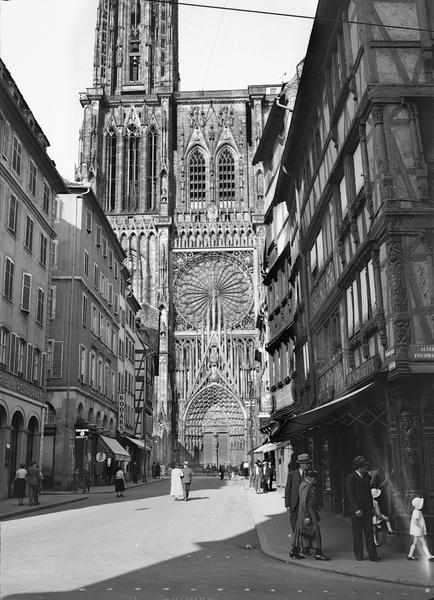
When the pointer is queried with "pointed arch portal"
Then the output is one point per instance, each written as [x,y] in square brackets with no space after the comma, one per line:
[214,427]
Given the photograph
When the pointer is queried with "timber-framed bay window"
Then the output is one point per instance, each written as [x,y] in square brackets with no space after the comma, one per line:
[361,300]
[131,167]
[197,179]
[110,170]
[226,178]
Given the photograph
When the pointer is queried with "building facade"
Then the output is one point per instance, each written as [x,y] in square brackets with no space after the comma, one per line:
[360,164]
[29,183]
[91,379]
[173,170]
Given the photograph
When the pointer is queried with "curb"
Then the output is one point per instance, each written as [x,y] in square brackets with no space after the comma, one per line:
[33,509]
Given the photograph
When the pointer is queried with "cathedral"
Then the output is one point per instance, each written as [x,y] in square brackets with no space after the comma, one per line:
[173,171]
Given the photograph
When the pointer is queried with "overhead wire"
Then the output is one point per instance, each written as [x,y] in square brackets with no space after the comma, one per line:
[211,56]
[293,15]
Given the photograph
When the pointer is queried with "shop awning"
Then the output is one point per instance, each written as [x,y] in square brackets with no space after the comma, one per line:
[268,447]
[139,443]
[114,448]
[310,418]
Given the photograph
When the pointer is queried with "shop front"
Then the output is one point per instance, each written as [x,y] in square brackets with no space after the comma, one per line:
[139,451]
[109,456]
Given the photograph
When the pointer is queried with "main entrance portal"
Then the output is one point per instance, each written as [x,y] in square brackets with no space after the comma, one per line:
[215,430]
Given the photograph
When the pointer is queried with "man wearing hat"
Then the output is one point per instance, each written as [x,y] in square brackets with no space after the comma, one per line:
[358,489]
[186,480]
[293,481]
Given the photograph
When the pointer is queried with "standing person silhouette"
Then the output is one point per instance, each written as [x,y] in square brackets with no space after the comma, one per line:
[358,489]
[295,477]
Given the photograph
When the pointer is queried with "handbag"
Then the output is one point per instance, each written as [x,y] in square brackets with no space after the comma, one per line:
[306,528]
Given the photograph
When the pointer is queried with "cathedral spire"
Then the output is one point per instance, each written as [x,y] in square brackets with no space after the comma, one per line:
[136,46]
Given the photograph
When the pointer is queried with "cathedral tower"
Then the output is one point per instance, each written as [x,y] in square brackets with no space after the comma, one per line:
[173,172]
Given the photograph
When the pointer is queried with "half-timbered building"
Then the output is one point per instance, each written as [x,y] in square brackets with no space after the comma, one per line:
[360,160]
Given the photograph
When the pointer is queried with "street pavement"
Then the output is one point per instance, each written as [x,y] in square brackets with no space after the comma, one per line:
[147,546]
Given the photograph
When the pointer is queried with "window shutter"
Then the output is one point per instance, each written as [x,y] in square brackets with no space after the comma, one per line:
[13,353]
[57,360]
[26,292]
[52,303]
[29,362]
[116,304]
[110,294]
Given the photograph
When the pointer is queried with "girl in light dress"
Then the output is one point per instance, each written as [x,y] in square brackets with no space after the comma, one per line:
[380,522]
[418,530]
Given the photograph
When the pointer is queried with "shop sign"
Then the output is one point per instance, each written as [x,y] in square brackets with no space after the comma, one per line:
[15,385]
[100,457]
[366,369]
[421,352]
[121,414]
[81,433]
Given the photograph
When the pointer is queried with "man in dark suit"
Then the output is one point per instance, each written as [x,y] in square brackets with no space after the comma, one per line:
[358,489]
[293,481]
[186,480]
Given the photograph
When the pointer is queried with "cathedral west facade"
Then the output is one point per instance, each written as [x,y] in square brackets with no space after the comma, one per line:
[173,172]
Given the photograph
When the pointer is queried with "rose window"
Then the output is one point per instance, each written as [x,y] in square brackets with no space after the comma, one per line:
[213,290]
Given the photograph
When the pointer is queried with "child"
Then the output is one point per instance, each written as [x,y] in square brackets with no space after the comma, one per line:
[379,521]
[418,530]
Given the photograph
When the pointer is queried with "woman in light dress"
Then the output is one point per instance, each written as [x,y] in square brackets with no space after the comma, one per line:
[176,483]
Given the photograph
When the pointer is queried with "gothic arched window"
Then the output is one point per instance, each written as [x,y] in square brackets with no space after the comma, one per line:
[131,168]
[197,175]
[151,168]
[226,178]
[110,170]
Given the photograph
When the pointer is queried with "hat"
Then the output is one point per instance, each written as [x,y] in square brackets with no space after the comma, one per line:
[417,503]
[185,462]
[303,458]
[375,492]
[360,461]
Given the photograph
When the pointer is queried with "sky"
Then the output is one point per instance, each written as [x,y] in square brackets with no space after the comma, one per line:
[47,45]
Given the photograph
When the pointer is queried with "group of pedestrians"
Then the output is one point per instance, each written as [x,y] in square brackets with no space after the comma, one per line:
[180,481]
[263,476]
[368,518]
[31,477]
[81,479]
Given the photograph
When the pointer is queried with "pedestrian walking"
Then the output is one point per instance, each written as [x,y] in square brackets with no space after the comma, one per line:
[19,484]
[119,483]
[266,476]
[85,480]
[380,521]
[292,488]
[246,469]
[358,490]
[154,470]
[418,530]
[158,474]
[34,481]
[176,489]
[186,480]
[76,480]
[307,533]
[258,476]
[222,471]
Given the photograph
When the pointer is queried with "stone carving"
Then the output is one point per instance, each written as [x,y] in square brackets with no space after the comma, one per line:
[397,277]
[409,437]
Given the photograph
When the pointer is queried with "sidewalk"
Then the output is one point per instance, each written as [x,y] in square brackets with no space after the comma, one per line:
[273,529]
[9,508]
